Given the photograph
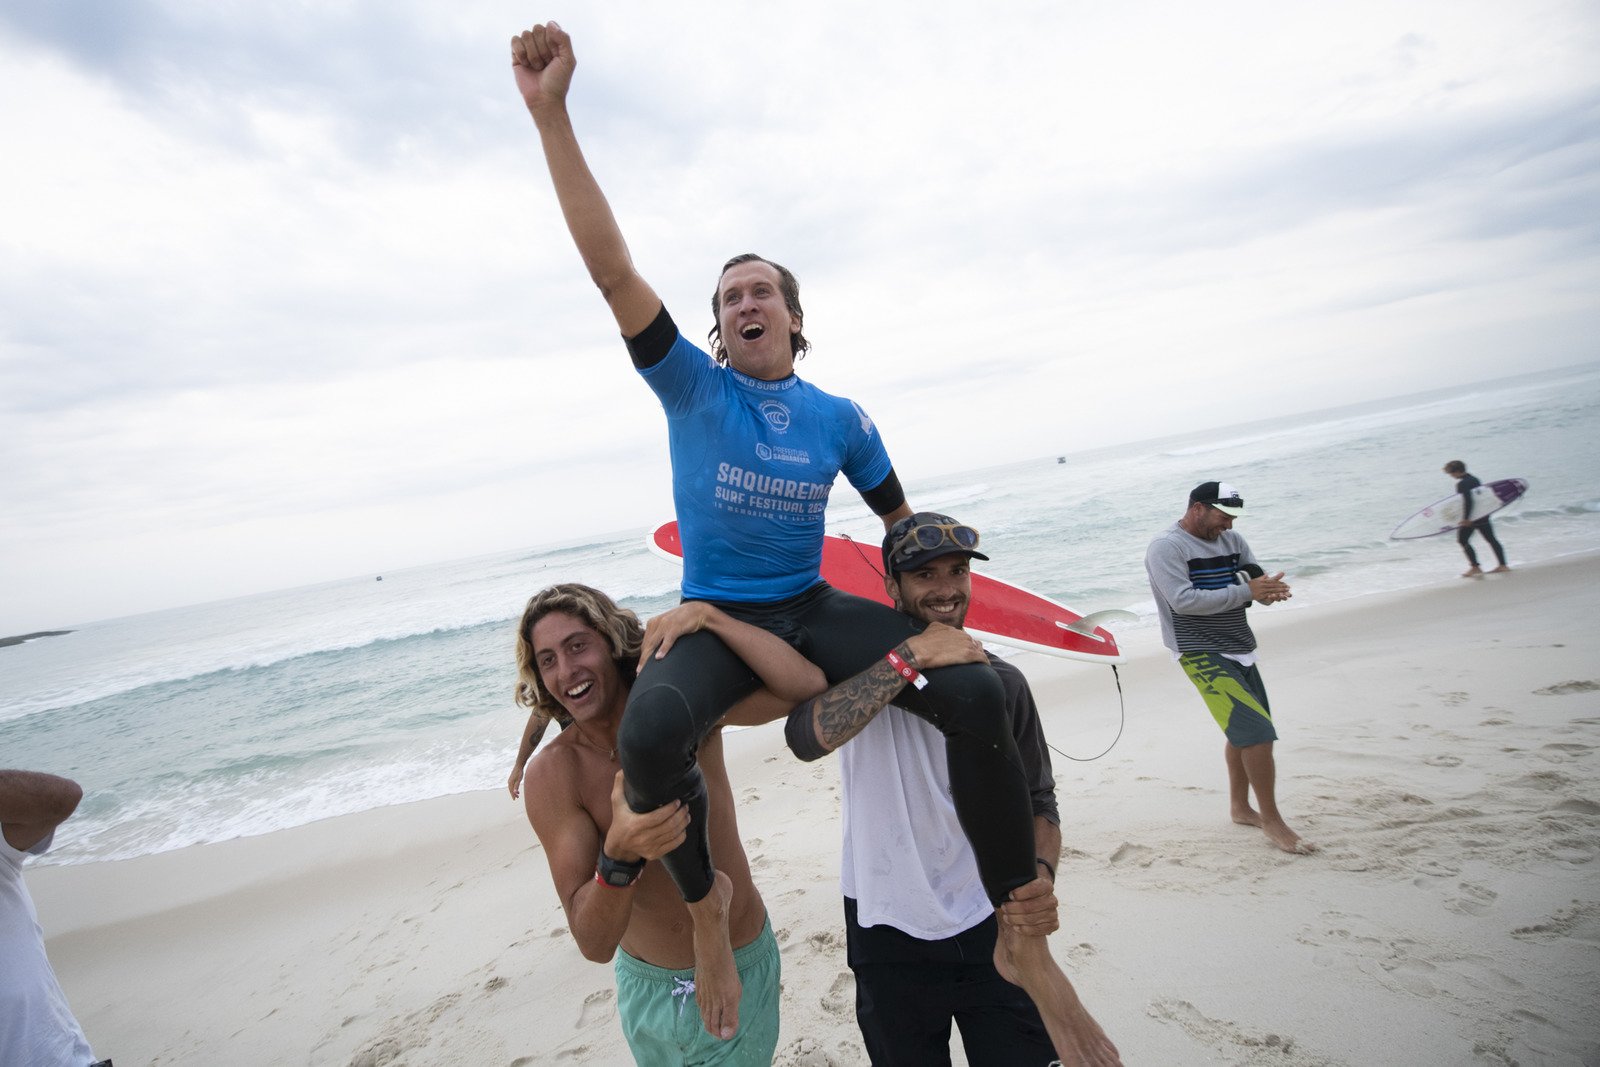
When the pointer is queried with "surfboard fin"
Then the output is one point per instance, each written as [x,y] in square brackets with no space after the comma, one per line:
[1095,619]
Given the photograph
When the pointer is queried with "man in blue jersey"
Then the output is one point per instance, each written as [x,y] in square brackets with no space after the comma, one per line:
[919,932]
[755,452]
[1195,567]
[1465,484]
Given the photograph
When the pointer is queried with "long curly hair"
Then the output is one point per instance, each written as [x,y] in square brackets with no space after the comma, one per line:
[788,284]
[619,626]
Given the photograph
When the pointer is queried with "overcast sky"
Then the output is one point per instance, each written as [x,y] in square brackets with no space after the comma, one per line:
[285,296]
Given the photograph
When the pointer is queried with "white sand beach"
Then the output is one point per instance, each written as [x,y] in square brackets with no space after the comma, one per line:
[1439,745]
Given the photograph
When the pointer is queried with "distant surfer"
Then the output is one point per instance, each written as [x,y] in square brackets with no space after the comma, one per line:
[1194,568]
[1465,484]
[577,655]
[755,452]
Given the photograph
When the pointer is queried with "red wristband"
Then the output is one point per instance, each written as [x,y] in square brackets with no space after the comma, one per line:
[905,670]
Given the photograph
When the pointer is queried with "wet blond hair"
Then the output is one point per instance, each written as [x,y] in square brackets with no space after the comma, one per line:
[623,632]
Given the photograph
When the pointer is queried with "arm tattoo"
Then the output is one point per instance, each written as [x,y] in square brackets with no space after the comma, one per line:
[843,711]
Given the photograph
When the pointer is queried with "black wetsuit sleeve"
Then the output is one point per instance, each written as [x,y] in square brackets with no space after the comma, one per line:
[801,737]
[886,496]
[650,345]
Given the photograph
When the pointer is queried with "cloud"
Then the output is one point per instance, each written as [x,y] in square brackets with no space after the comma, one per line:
[283,288]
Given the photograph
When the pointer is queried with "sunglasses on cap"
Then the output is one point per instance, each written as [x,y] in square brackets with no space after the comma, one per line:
[931,535]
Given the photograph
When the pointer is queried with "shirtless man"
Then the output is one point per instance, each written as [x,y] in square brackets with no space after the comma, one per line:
[579,653]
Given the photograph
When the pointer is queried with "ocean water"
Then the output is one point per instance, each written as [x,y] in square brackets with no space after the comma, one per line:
[245,716]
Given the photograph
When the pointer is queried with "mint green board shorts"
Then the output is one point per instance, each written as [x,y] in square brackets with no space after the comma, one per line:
[661,1020]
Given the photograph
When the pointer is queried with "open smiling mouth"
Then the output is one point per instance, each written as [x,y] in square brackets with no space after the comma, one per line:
[579,690]
[752,330]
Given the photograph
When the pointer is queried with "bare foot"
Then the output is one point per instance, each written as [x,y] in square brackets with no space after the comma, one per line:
[716,978]
[1502,569]
[1026,961]
[1246,816]
[1472,572]
[1280,834]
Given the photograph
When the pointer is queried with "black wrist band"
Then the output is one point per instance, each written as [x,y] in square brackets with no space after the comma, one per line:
[1051,871]
[617,873]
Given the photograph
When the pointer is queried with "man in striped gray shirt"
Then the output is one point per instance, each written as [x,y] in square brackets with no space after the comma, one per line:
[1204,577]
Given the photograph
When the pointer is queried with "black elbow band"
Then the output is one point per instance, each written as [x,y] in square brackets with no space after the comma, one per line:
[802,738]
[886,496]
[650,345]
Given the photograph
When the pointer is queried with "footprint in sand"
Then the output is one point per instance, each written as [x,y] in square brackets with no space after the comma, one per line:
[808,1052]
[840,999]
[825,942]
[596,1006]
[1548,781]
[1081,953]
[1402,964]
[1228,1039]
[1438,868]
[1563,688]
[1443,761]
[1474,899]
[1581,922]
[1573,850]
[1129,853]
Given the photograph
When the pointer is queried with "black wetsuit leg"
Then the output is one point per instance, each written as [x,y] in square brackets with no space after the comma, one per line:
[673,706]
[1463,535]
[1484,527]
[678,700]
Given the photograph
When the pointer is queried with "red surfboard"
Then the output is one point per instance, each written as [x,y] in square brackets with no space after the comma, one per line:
[1000,612]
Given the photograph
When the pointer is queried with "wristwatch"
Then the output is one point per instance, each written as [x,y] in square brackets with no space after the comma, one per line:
[617,873]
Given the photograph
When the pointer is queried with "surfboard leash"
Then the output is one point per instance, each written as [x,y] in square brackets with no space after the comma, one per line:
[864,558]
[1122,718]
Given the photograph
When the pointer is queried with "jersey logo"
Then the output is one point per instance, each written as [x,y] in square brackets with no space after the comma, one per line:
[779,454]
[776,414]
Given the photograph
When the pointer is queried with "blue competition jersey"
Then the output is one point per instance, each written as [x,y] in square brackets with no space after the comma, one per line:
[753,463]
